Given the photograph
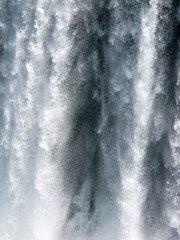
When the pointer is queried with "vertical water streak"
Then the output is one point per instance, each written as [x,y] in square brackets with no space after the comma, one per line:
[143,103]
[33,118]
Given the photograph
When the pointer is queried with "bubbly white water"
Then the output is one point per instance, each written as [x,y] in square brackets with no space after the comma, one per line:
[89,120]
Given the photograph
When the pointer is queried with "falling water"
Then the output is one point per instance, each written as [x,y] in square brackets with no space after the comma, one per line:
[89,120]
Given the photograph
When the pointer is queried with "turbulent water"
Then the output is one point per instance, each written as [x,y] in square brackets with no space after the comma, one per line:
[89,120]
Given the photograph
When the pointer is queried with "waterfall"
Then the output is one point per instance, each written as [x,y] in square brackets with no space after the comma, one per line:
[89,120]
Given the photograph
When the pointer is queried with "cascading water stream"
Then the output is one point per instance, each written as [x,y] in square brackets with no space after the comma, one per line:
[89,120]
[132,180]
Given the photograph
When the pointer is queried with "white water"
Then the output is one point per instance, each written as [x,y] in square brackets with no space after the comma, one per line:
[89,120]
